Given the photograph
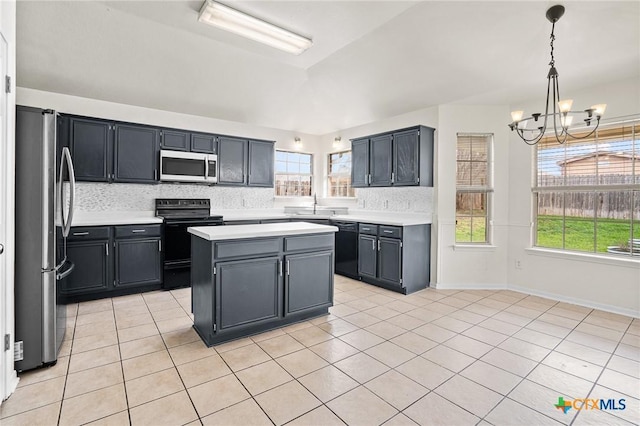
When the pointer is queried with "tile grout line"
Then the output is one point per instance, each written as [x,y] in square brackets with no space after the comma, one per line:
[66,377]
[595,382]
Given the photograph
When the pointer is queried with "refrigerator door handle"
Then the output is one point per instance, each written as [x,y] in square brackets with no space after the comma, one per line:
[66,221]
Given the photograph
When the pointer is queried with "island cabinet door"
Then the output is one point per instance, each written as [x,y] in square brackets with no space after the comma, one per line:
[248,292]
[308,282]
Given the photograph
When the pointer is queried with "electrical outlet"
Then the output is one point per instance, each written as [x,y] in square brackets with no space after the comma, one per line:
[518,264]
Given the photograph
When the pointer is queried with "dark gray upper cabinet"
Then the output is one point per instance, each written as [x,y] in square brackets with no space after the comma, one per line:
[367,255]
[138,262]
[261,155]
[176,140]
[136,153]
[91,143]
[406,156]
[390,260]
[360,163]
[205,143]
[380,160]
[232,161]
[398,158]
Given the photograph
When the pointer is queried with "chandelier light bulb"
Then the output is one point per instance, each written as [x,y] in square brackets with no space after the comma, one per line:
[566,120]
[599,109]
[565,105]
[517,115]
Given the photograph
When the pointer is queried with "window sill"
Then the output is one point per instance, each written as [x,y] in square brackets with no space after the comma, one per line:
[586,257]
[474,247]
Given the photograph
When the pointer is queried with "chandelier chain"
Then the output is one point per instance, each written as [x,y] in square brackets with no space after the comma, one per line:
[553,37]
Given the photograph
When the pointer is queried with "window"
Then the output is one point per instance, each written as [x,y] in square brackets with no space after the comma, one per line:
[473,188]
[293,174]
[340,175]
[587,194]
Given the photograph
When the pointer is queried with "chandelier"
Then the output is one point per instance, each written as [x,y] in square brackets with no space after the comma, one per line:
[563,116]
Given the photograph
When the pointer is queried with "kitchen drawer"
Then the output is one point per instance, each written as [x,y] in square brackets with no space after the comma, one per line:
[138,231]
[367,228]
[308,242]
[89,233]
[245,248]
[391,231]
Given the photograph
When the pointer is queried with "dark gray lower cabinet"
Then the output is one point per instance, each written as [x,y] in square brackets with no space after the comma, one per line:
[308,286]
[112,261]
[248,292]
[395,257]
[138,262]
[390,257]
[92,267]
[367,255]
[243,287]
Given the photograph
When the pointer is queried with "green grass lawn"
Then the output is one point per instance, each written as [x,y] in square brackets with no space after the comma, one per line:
[466,234]
[580,232]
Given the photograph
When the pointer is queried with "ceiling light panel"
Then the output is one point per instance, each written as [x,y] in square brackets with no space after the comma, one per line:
[229,19]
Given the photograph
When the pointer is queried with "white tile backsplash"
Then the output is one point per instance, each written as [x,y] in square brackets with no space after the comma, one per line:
[409,199]
[135,197]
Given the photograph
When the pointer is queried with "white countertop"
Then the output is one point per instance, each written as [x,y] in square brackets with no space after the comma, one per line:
[219,233]
[106,218]
[368,216]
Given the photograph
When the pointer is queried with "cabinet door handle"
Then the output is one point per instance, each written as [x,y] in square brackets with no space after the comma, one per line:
[378,245]
[369,179]
[387,232]
[78,234]
[288,268]
[160,245]
[280,267]
[392,177]
[139,231]
[373,245]
[366,229]
[106,248]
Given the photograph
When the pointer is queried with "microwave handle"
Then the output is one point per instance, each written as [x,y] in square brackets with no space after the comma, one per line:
[206,168]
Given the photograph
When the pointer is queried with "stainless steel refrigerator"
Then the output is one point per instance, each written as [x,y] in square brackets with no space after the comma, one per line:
[44,211]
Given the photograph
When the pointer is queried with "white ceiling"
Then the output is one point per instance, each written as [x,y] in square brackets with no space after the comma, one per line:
[370,59]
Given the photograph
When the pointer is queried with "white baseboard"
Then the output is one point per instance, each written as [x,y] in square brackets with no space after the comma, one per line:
[576,301]
[468,286]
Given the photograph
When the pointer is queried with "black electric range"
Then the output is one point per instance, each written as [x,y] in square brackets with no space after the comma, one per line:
[178,215]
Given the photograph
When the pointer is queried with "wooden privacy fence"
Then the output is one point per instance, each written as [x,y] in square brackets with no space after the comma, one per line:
[615,204]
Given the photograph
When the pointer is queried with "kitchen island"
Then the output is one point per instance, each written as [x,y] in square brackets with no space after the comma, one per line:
[247,279]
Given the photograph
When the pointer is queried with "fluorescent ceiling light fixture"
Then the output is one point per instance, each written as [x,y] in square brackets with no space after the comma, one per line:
[221,16]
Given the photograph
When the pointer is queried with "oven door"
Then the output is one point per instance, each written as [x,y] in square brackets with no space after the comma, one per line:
[179,166]
[177,241]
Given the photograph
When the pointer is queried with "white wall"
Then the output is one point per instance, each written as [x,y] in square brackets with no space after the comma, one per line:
[8,377]
[459,265]
[609,284]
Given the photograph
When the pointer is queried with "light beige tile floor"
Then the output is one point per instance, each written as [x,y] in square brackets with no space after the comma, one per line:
[435,357]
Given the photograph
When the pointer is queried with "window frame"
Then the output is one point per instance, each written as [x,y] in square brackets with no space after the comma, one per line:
[592,189]
[350,189]
[487,190]
[310,174]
